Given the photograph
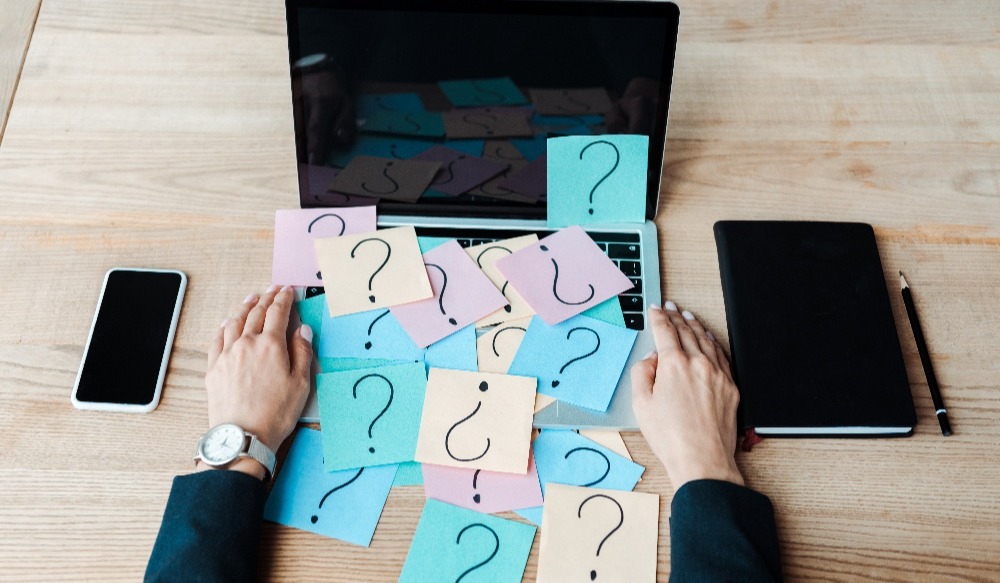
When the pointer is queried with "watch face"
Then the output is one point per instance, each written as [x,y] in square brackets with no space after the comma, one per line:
[222,444]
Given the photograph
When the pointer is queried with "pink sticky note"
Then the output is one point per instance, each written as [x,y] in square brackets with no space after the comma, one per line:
[482,490]
[462,295]
[294,261]
[563,274]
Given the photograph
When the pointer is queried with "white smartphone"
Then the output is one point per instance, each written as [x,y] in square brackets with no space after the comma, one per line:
[128,349]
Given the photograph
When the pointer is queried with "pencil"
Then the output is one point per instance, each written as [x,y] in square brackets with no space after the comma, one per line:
[925,357]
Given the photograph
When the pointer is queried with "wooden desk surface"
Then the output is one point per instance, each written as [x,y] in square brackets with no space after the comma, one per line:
[159,134]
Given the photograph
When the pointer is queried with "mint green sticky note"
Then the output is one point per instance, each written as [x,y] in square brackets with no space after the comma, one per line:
[453,544]
[342,364]
[370,416]
[311,312]
[409,474]
[609,311]
[596,179]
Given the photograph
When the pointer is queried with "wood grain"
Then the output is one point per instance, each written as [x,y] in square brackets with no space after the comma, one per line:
[158,133]
[15,33]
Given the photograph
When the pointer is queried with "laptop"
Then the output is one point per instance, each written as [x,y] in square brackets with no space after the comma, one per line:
[489,79]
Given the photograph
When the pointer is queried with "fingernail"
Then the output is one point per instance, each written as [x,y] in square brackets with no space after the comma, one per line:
[286,288]
[306,332]
[670,306]
[710,336]
[250,298]
[687,315]
[655,307]
[224,322]
[271,288]
[651,354]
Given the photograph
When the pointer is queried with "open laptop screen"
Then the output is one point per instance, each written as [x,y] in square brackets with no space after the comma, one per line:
[442,108]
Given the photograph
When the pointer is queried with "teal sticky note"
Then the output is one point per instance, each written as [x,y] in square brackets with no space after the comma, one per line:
[344,505]
[311,311]
[579,360]
[456,351]
[370,104]
[483,92]
[426,124]
[342,364]
[453,544]
[596,179]
[428,243]
[609,311]
[370,416]
[409,474]
[564,456]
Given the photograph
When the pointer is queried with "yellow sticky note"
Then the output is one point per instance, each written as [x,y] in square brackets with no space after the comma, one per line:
[372,270]
[486,256]
[496,348]
[598,535]
[609,439]
[477,420]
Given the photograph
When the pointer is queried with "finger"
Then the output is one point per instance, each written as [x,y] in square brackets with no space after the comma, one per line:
[643,376]
[301,353]
[276,319]
[234,326]
[664,334]
[216,344]
[689,342]
[255,319]
[720,354]
[705,344]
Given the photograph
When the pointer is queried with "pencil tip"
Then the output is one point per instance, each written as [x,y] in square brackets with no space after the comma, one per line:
[902,280]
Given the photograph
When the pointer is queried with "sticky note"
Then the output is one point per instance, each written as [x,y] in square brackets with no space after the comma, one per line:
[607,438]
[342,364]
[534,514]
[480,92]
[370,416]
[408,474]
[372,334]
[459,171]
[565,457]
[343,505]
[579,361]
[531,148]
[371,104]
[563,275]
[294,261]
[457,351]
[476,420]
[428,243]
[609,311]
[455,544]
[581,101]
[482,490]
[461,295]
[491,188]
[530,180]
[486,123]
[397,148]
[424,124]
[385,178]
[486,256]
[372,270]
[496,348]
[597,179]
[598,535]
[311,312]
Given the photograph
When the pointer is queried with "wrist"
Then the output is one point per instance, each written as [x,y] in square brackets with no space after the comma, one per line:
[245,465]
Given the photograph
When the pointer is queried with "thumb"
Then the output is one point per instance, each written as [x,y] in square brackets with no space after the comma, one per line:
[301,353]
[643,375]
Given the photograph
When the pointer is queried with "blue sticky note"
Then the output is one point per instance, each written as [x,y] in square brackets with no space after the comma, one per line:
[428,243]
[409,474]
[563,456]
[370,104]
[579,360]
[483,92]
[530,148]
[370,416]
[597,179]
[609,311]
[372,334]
[343,505]
[425,124]
[534,514]
[311,312]
[456,351]
[453,543]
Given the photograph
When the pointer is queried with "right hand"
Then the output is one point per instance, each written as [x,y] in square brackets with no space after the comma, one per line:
[685,400]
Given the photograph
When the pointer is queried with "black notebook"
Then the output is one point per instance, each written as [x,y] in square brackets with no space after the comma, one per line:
[813,338]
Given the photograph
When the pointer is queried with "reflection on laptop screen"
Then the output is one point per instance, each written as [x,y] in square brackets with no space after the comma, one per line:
[442,108]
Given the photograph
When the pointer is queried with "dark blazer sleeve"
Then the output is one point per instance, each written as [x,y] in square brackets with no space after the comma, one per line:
[210,529]
[722,532]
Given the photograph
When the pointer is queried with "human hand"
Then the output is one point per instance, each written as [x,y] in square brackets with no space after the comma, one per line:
[328,113]
[685,400]
[635,111]
[257,377]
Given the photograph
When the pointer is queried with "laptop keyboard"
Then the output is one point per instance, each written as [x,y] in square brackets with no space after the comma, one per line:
[622,248]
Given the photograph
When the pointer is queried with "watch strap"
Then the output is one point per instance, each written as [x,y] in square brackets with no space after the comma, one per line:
[261,453]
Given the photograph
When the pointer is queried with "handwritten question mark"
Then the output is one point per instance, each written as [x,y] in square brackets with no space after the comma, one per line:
[486,90]
[368,344]
[605,177]
[501,331]
[327,495]
[503,290]
[483,386]
[385,172]
[476,498]
[451,173]
[496,548]
[555,284]
[388,254]
[343,227]
[409,120]
[621,520]
[607,463]
[384,409]
[487,127]
[444,286]
[555,383]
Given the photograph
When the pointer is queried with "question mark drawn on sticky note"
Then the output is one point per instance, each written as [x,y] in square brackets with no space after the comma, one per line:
[618,158]
[468,118]
[385,172]
[444,286]
[607,462]
[496,548]
[343,227]
[388,254]
[384,409]
[483,386]
[501,331]
[480,91]
[503,290]
[475,477]
[451,173]
[314,517]
[621,520]
[368,343]
[555,284]
[555,383]
[578,106]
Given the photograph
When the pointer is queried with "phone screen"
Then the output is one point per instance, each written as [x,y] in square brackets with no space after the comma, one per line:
[129,341]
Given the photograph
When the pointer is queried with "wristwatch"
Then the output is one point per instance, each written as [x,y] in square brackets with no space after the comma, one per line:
[226,443]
